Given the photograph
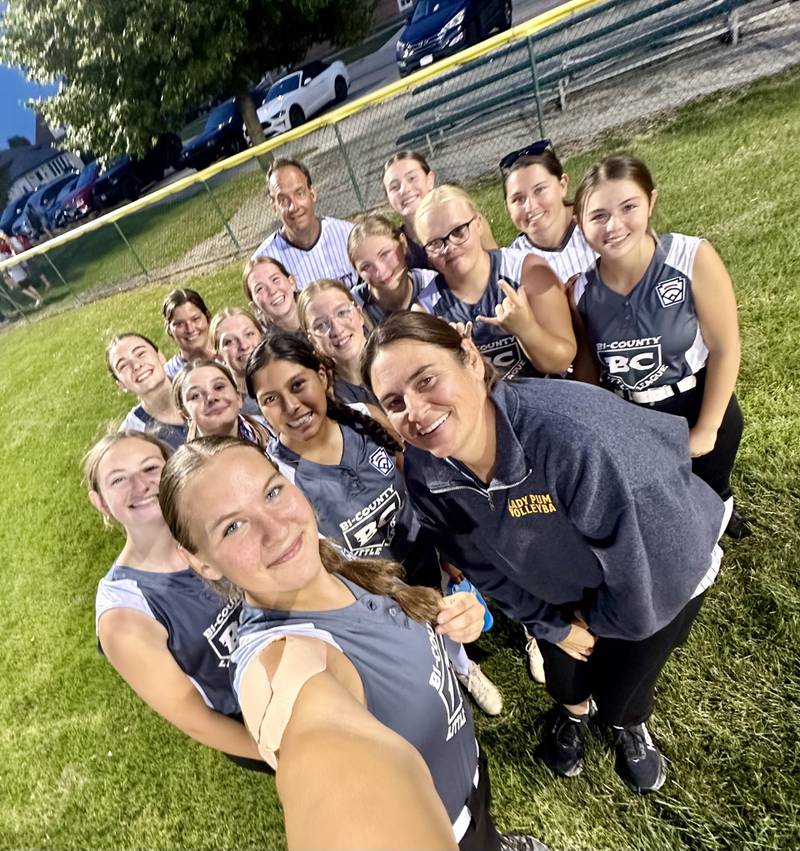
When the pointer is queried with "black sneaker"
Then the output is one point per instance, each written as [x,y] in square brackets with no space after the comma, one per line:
[562,745]
[638,761]
[738,527]
[520,842]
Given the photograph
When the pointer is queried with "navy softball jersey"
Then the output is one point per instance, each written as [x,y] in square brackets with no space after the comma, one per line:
[493,342]
[138,419]
[572,257]
[201,627]
[409,684]
[592,503]
[651,336]
[420,278]
[361,502]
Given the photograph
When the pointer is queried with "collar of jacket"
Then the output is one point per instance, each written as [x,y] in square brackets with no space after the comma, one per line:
[511,464]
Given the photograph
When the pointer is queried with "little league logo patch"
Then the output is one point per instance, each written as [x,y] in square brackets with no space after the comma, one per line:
[381,461]
[671,292]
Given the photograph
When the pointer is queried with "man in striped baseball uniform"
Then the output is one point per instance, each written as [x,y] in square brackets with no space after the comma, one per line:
[309,246]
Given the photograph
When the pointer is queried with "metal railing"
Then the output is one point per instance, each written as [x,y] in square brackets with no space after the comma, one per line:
[570,74]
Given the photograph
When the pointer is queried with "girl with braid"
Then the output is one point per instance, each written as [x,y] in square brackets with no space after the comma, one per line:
[350,469]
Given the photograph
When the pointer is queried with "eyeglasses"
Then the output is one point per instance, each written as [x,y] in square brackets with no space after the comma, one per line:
[323,327]
[532,150]
[457,236]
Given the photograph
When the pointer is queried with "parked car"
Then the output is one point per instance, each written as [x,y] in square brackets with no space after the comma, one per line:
[128,175]
[301,94]
[13,211]
[222,136]
[77,203]
[56,206]
[33,221]
[439,28]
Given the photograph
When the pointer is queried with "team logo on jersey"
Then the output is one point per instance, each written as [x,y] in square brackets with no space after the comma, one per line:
[532,503]
[443,679]
[372,528]
[632,364]
[223,634]
[381,461]
[671,292]
[505,355]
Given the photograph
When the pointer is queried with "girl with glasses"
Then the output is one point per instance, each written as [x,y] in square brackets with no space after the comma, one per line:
[510,301]
[535,190]
[378,252]
[349,467]
[407,179]
[660,320]
[206,393]
[334,325]
[576,513]
[186,319]
[235,332]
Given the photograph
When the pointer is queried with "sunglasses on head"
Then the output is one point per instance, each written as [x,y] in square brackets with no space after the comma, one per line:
[532,150]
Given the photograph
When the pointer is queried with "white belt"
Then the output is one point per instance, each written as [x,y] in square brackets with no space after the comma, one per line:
[461,823]
[657,394]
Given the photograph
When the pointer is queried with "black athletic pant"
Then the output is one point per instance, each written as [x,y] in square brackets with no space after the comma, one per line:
[620,675]
[715,467]
[481,834]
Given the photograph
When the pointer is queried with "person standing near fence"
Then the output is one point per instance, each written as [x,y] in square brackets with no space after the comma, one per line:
[16,276]
[661,327]
[137,367]
[186,319]
[309,246]
[576,513]
[535,188]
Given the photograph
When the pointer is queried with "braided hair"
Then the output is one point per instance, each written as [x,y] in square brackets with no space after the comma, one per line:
[295,348]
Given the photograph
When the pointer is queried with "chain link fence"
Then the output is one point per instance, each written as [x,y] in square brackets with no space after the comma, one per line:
[570,76]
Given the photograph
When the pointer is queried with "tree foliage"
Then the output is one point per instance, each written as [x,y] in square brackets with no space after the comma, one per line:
[130,68]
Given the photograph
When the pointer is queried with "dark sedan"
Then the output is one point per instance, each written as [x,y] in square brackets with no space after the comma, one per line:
[222,136]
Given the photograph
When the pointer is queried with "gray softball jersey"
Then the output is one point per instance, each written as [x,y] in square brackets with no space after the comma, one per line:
[361,502]
[592,502]
[573,256]
[650,337]
[201,627]
[420,278]
[138,419]
[498,345]
[327,257]
[409,684]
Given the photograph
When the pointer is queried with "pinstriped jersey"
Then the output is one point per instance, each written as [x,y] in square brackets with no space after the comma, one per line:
[573,257]
[361,502]
[327,257]
[500,347]
[201,626]
[651,336]
[420,278]
[409,684]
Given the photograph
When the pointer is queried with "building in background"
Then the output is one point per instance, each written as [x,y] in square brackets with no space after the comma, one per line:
[31,166]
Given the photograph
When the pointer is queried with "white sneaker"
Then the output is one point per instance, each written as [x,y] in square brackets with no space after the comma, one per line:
[535,661]
[482,690]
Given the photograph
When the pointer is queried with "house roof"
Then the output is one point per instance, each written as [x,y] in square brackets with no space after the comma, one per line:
[20,161]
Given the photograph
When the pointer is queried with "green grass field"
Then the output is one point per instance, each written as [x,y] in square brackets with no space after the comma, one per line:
[84,765]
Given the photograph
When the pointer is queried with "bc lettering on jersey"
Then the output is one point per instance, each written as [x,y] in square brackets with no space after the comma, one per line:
[632,364]
[443,680]
[505,355]
[372,528]
[223,634]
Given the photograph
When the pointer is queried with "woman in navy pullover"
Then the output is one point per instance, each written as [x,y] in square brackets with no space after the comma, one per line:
[577,514]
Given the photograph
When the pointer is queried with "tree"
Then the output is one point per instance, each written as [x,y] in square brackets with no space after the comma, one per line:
[18,142]
[130,68]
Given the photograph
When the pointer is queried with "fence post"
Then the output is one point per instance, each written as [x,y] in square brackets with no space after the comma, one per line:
[350,171]
[222,216]
[53,266]
[130,248]
[537,93]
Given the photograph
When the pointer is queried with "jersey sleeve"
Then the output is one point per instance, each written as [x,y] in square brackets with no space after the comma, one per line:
[132,422]
[119,594]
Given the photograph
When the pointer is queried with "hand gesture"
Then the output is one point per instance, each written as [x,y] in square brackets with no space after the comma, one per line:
[460,617]
[463,328]
[513,314]
[579,643]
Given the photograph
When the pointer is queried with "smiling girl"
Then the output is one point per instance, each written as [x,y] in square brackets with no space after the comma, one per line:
[165,632]
[377,250]
[206,393]
[660,319]
[186,319]
[512,302]
[235,332]
[270,291]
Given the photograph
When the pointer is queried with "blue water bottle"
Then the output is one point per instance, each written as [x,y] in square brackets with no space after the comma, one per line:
[466,585]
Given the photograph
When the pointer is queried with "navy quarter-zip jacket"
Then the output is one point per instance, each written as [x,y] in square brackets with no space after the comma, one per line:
[592,503]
